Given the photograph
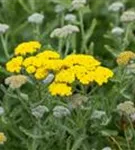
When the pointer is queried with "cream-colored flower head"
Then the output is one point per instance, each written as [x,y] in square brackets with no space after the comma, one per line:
[128,16]
[77,4]
[2,138]
[16,81]
[36,18]
[70,18]
[125,57]
[107,148]
[126,107]
[60,111]
[117,31]
[59,8]
[39,111]
[116,6]
[3,28]
[64,31]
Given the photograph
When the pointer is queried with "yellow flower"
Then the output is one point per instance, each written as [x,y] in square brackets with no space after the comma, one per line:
[14,65]
[29,61]
[80,59]
[67,76]
[27,47]
[16,81]
[2,138]
[41,73]
[125,57]
[30,69]
[61,89]
[49,54]
[102,74]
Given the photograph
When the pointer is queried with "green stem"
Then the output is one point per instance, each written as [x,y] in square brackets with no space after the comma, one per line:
[118,145]
[60,44]
[82,31]
[4,44]
[67,46]
[127,140]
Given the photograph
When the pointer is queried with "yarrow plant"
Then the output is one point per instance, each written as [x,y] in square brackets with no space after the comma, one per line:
[84,68]
[71,87]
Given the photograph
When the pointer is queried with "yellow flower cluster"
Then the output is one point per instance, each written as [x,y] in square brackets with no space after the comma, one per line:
[14,65]
[27,47]
[84,68]
[2,138]
[125,57]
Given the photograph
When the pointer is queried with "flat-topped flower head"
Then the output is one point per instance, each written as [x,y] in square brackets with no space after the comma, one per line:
[3,138]
[77,4]
[117,31]
[16,81]
[116,7]
[64,31]
[27,48]
[1,110]
[39,111]
[3,28]
[61,89]
[126,107]
[59,8]
[107,148]
[14,65]
[125,57]
[70,18]
[128,16]
[60,111]
[36,18]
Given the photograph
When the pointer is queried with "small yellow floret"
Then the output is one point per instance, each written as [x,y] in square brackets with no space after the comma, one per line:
[14,65]
[41,73]
[2,138]
[125,57]
[30,69]
[27,47]
[61,89]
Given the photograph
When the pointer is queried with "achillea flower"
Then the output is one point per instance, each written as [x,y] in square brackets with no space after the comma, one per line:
[27,47]
[2,138]
[36,18]
[16,81]
[107,148]
[64,31]
[39,111]
[66,76]
[126,107]
[77,4]
[59,8]
[30,69]
[1,110]
[102,74]
[48,54]
[77,100]
[125,57]
[41,73]
[3,28]
[14,65]
[116,7]
[128,16]
[117,31]
[61,111]
[70,17]
[98,114]
[61,89]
